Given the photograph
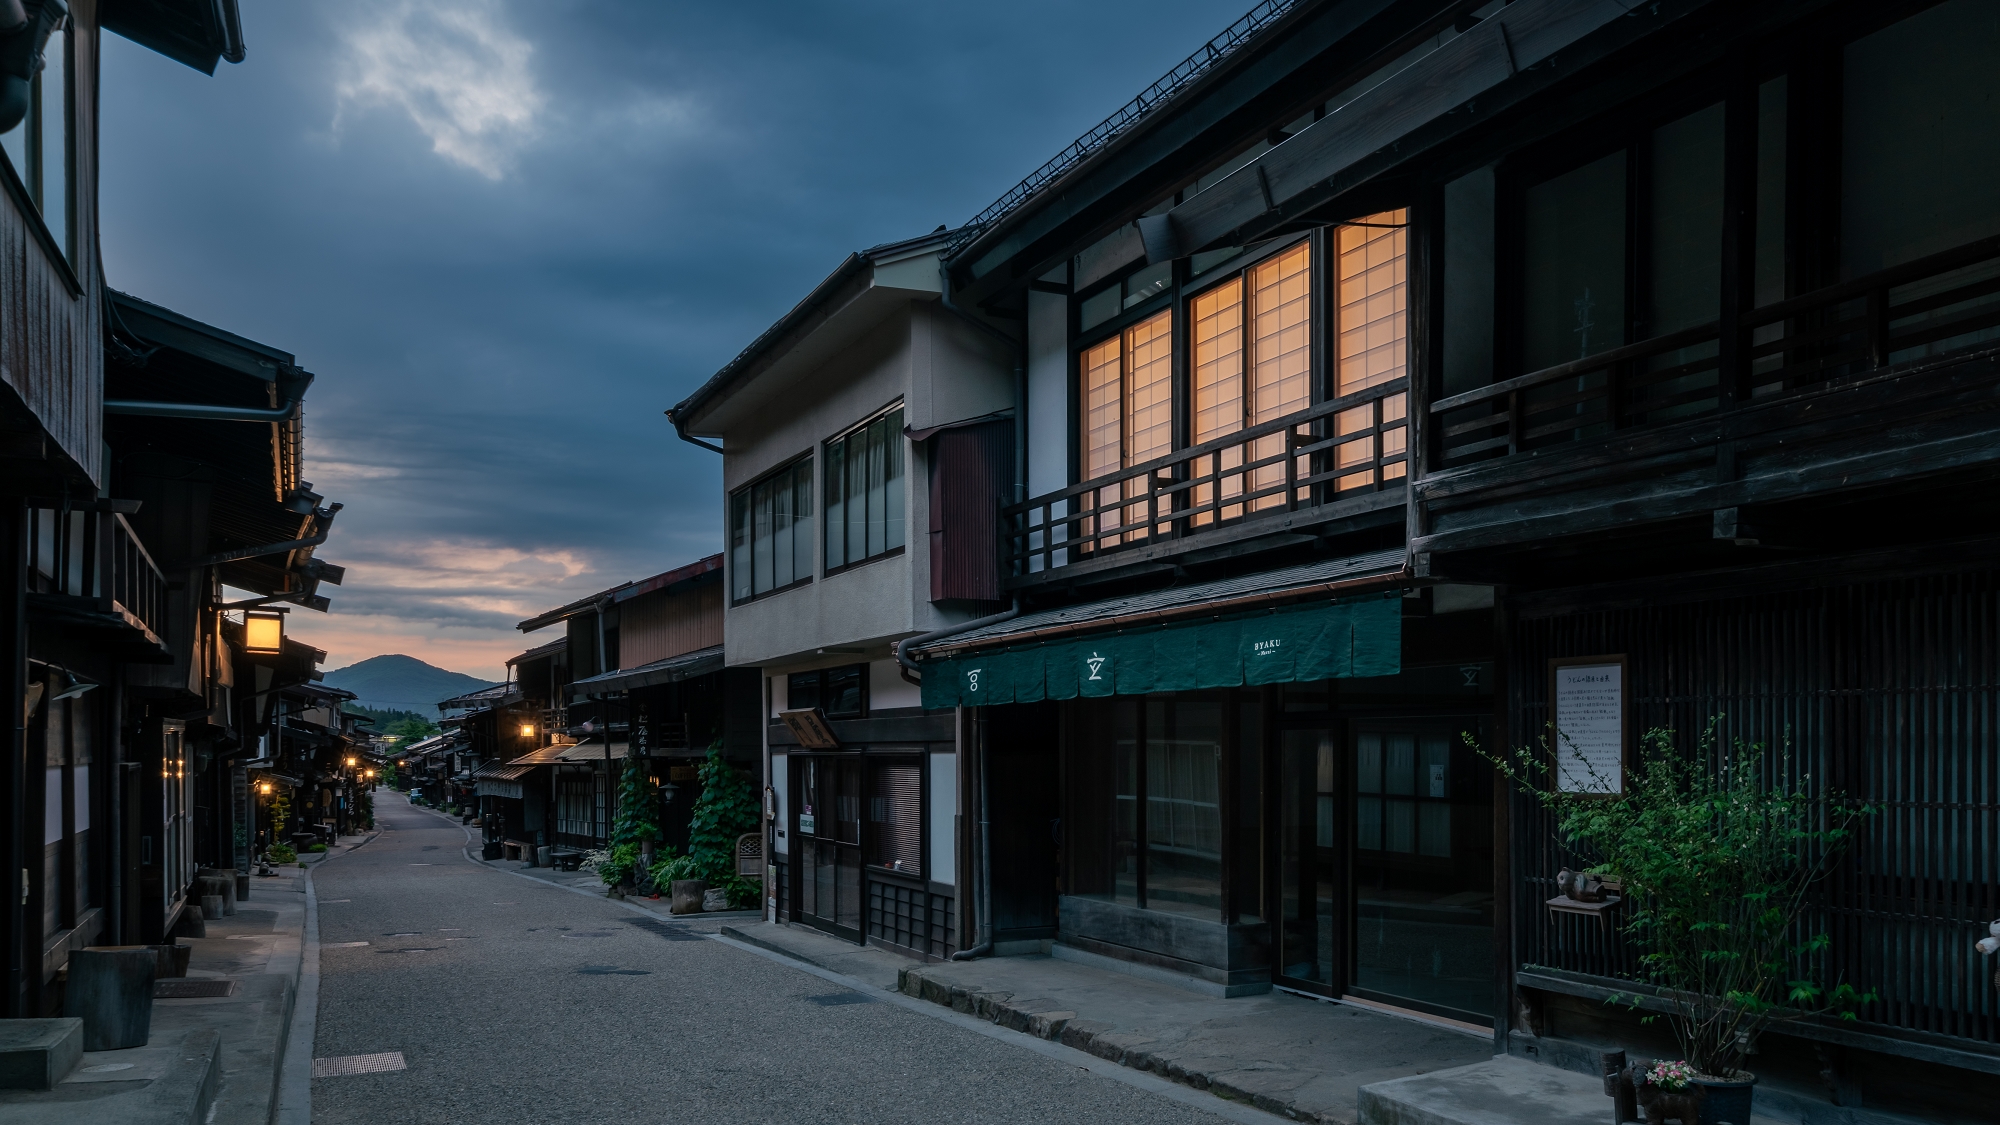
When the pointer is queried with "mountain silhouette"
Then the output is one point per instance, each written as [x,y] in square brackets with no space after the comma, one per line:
[403,683]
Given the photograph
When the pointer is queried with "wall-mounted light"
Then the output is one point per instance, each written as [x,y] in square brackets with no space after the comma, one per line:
[68,685]
[350,763]
[527,730]
[371,773]
[263,632]
[264,788]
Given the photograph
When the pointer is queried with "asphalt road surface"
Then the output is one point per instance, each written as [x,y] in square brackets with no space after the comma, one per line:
[518,1003]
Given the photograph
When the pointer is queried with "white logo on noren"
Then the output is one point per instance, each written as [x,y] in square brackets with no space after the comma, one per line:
[972,678]
[1096,663]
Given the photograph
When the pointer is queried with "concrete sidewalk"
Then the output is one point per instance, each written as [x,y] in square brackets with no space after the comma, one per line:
[210,1059]
[1285,1054]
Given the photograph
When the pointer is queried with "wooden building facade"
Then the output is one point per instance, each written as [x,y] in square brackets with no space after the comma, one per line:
[638,672]
[147,461]
[1386,358]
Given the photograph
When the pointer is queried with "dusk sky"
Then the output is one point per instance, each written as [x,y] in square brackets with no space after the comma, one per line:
[507,235]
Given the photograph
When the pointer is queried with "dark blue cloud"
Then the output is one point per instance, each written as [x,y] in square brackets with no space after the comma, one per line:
[507,235]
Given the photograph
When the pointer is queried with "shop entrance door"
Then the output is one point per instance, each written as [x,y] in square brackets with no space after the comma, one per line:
[1385,865]
[828,831]
[1312,867]
[1422,836]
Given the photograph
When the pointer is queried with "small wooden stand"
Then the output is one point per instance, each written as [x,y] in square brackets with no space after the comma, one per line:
[1563,904]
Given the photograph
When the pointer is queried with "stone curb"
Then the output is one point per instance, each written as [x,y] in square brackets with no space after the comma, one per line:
[1047,1019]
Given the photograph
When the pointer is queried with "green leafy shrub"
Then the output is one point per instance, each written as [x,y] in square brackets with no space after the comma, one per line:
[317,848]
[1718,851]
[668,867]
[618,865]
[281,853]
[638,820]
[726,809]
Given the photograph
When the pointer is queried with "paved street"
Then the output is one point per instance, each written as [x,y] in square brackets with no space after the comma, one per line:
[515,1001]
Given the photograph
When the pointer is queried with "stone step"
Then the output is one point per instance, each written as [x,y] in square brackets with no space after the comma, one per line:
[1503,1091]
[37,1054]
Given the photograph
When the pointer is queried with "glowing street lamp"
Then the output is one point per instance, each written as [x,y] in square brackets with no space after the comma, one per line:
[527,730]
[263,632]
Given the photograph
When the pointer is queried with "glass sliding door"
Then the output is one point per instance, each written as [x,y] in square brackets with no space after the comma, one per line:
[1423,868]
[828,831]
[1312,874]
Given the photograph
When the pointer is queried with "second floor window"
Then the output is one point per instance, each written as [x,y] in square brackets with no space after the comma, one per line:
[840,693]
[1128,409]
[771,532]
[864,491]
[38,147]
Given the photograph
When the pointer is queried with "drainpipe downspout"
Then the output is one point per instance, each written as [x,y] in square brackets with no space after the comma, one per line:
[984,836]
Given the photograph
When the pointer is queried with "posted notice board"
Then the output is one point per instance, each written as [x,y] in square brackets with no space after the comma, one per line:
[1589,704]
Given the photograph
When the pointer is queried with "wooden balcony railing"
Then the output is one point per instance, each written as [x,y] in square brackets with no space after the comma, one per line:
[1331,452]
[96,557]
[1929,306]
[132,579]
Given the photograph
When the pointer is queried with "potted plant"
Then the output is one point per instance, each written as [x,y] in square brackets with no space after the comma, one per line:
[681,877]
[1717,852]
[616,866]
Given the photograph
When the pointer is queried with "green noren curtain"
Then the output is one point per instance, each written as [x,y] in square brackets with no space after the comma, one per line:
[1314,642]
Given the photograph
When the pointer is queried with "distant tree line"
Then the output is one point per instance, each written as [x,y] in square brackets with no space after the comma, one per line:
[408,726]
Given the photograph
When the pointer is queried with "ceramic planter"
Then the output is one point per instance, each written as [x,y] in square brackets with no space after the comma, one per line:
[1726,1099]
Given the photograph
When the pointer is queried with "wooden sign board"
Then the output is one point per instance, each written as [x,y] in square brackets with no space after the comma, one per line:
[810,727]
[1590,708]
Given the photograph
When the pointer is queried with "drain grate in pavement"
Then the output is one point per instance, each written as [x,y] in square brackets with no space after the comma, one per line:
[404,933]
[413,949]
[192,989]
[613,971]
[344,944]
[588,933]
[359,1064]
[835,999]
[666,930]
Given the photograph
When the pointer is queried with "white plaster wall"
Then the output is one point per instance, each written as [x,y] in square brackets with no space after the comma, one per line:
[944,813]
[1048,392]
[887,688]
[943,370]
[1048,401]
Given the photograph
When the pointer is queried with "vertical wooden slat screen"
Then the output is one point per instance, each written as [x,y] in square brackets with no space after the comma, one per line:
[1887,690]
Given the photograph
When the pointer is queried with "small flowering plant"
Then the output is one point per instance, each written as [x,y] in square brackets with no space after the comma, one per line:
[1670,1075]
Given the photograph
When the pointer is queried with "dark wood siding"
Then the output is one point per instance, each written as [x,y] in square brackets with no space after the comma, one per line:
[1890,690]
[51,340]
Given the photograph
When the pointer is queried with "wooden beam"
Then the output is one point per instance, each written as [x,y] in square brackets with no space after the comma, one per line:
[1525,35]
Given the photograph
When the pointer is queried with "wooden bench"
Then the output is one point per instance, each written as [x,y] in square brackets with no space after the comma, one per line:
[566,859]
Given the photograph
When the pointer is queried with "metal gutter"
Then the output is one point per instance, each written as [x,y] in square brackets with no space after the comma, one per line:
[204,411]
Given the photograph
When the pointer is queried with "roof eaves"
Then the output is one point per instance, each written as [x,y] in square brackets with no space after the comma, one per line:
[1198,70]
[800,313]
[801,316]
